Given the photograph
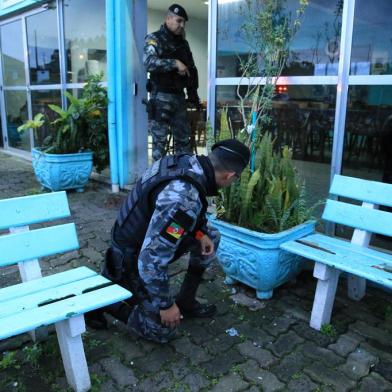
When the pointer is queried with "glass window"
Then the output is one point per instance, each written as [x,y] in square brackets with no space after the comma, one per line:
[368,141]
[40,99]
[314,50]
[372,48]
[303,119]
[85,38]
[12,54]
[16,114]
[42,42]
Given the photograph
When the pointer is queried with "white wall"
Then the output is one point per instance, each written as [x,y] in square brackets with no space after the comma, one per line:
[197,36]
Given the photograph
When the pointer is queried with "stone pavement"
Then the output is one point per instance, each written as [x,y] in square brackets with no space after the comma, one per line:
[250,345]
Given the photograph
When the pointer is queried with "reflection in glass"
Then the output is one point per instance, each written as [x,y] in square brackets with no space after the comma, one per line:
[85,38]
[40,101]
[12,54]
[368,141]
[16,115]
[314,50]
[371,52]
[42,42]
[303,119]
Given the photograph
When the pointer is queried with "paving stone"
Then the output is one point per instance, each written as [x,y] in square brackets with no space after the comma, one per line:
[180,368]
[223,363]
[285,343]
[384,367]
[197,333]
[230,383]
[346,344]
[290,365]
[308,333]
[318,371]
[255,334]
[156,360]
[359,364]
[374,382]
[122,375]
[263,357]
[371,332]
[328,357]
[301,383]
[254,374]
[108,386]
[222,344]
[279,325]
[195,353]
[194,382]
[129,349]
[157,382]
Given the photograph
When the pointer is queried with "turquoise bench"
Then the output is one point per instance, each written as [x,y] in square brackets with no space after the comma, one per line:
[60,299]
[333,256]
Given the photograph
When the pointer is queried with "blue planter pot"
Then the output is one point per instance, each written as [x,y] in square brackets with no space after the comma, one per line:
[62,171]
[255,258]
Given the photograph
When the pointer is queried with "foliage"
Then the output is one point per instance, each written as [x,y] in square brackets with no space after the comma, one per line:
[82,126]
[32,354]
[271,199]
[9,361]
[269,196]
[328,330]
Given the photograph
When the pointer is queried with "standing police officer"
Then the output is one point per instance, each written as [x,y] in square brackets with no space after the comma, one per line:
[162,218]
[168,59]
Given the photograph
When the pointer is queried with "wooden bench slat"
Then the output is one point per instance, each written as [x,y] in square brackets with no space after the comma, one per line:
[364,190]
[339,243]
[52,313]
[45,283]
[27,210]
[34,300]
[29,245]
[358,217]
[354,264]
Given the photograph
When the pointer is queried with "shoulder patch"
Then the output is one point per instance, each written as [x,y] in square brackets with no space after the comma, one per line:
[152,42]
[172,231]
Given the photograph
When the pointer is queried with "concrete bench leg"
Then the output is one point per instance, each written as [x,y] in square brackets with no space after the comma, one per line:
[356,287]
[324,296]
[72,352]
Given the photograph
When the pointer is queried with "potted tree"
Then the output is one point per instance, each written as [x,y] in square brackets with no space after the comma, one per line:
[267,206]
[77,139]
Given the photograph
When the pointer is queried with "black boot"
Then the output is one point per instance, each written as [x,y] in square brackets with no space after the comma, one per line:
[96,319]
[186,300]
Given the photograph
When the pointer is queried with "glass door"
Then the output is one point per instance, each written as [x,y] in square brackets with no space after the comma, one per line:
[14,84]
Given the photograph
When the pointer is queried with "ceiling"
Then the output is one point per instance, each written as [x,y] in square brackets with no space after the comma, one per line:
[194,8]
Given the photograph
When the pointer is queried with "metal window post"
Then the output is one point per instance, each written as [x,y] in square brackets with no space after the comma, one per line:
[342,86]
[212,38]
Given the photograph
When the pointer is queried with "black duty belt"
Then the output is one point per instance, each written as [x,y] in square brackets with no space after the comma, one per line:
[167,90]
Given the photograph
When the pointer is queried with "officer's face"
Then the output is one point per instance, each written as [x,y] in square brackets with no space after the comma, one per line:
[225,178]
[176,24]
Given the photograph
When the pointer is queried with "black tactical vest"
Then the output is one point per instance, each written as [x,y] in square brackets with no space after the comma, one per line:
[136,211]
[173,47]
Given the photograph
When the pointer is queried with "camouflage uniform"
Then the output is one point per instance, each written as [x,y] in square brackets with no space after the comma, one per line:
[164,243]
[167,105]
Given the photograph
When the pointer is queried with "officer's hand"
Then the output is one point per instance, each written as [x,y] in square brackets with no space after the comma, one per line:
[182,68]
[207,246]
[171,317]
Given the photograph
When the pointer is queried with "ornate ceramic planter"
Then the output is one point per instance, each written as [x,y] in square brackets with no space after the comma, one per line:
[255,258]
[62,171]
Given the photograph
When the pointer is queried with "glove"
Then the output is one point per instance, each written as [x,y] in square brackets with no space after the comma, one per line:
[194,99]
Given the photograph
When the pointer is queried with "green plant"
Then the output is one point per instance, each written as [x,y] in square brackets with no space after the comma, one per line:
[328,330]
[9,361]
[32,354]
[269,195]
[82,126]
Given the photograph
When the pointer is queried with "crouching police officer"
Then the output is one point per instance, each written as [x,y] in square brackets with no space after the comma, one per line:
[168,59]
[163,217]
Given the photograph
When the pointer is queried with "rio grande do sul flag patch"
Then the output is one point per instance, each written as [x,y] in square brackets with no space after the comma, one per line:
[173,232]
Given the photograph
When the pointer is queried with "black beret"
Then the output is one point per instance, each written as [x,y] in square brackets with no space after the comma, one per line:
[178,10]
[232,151]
